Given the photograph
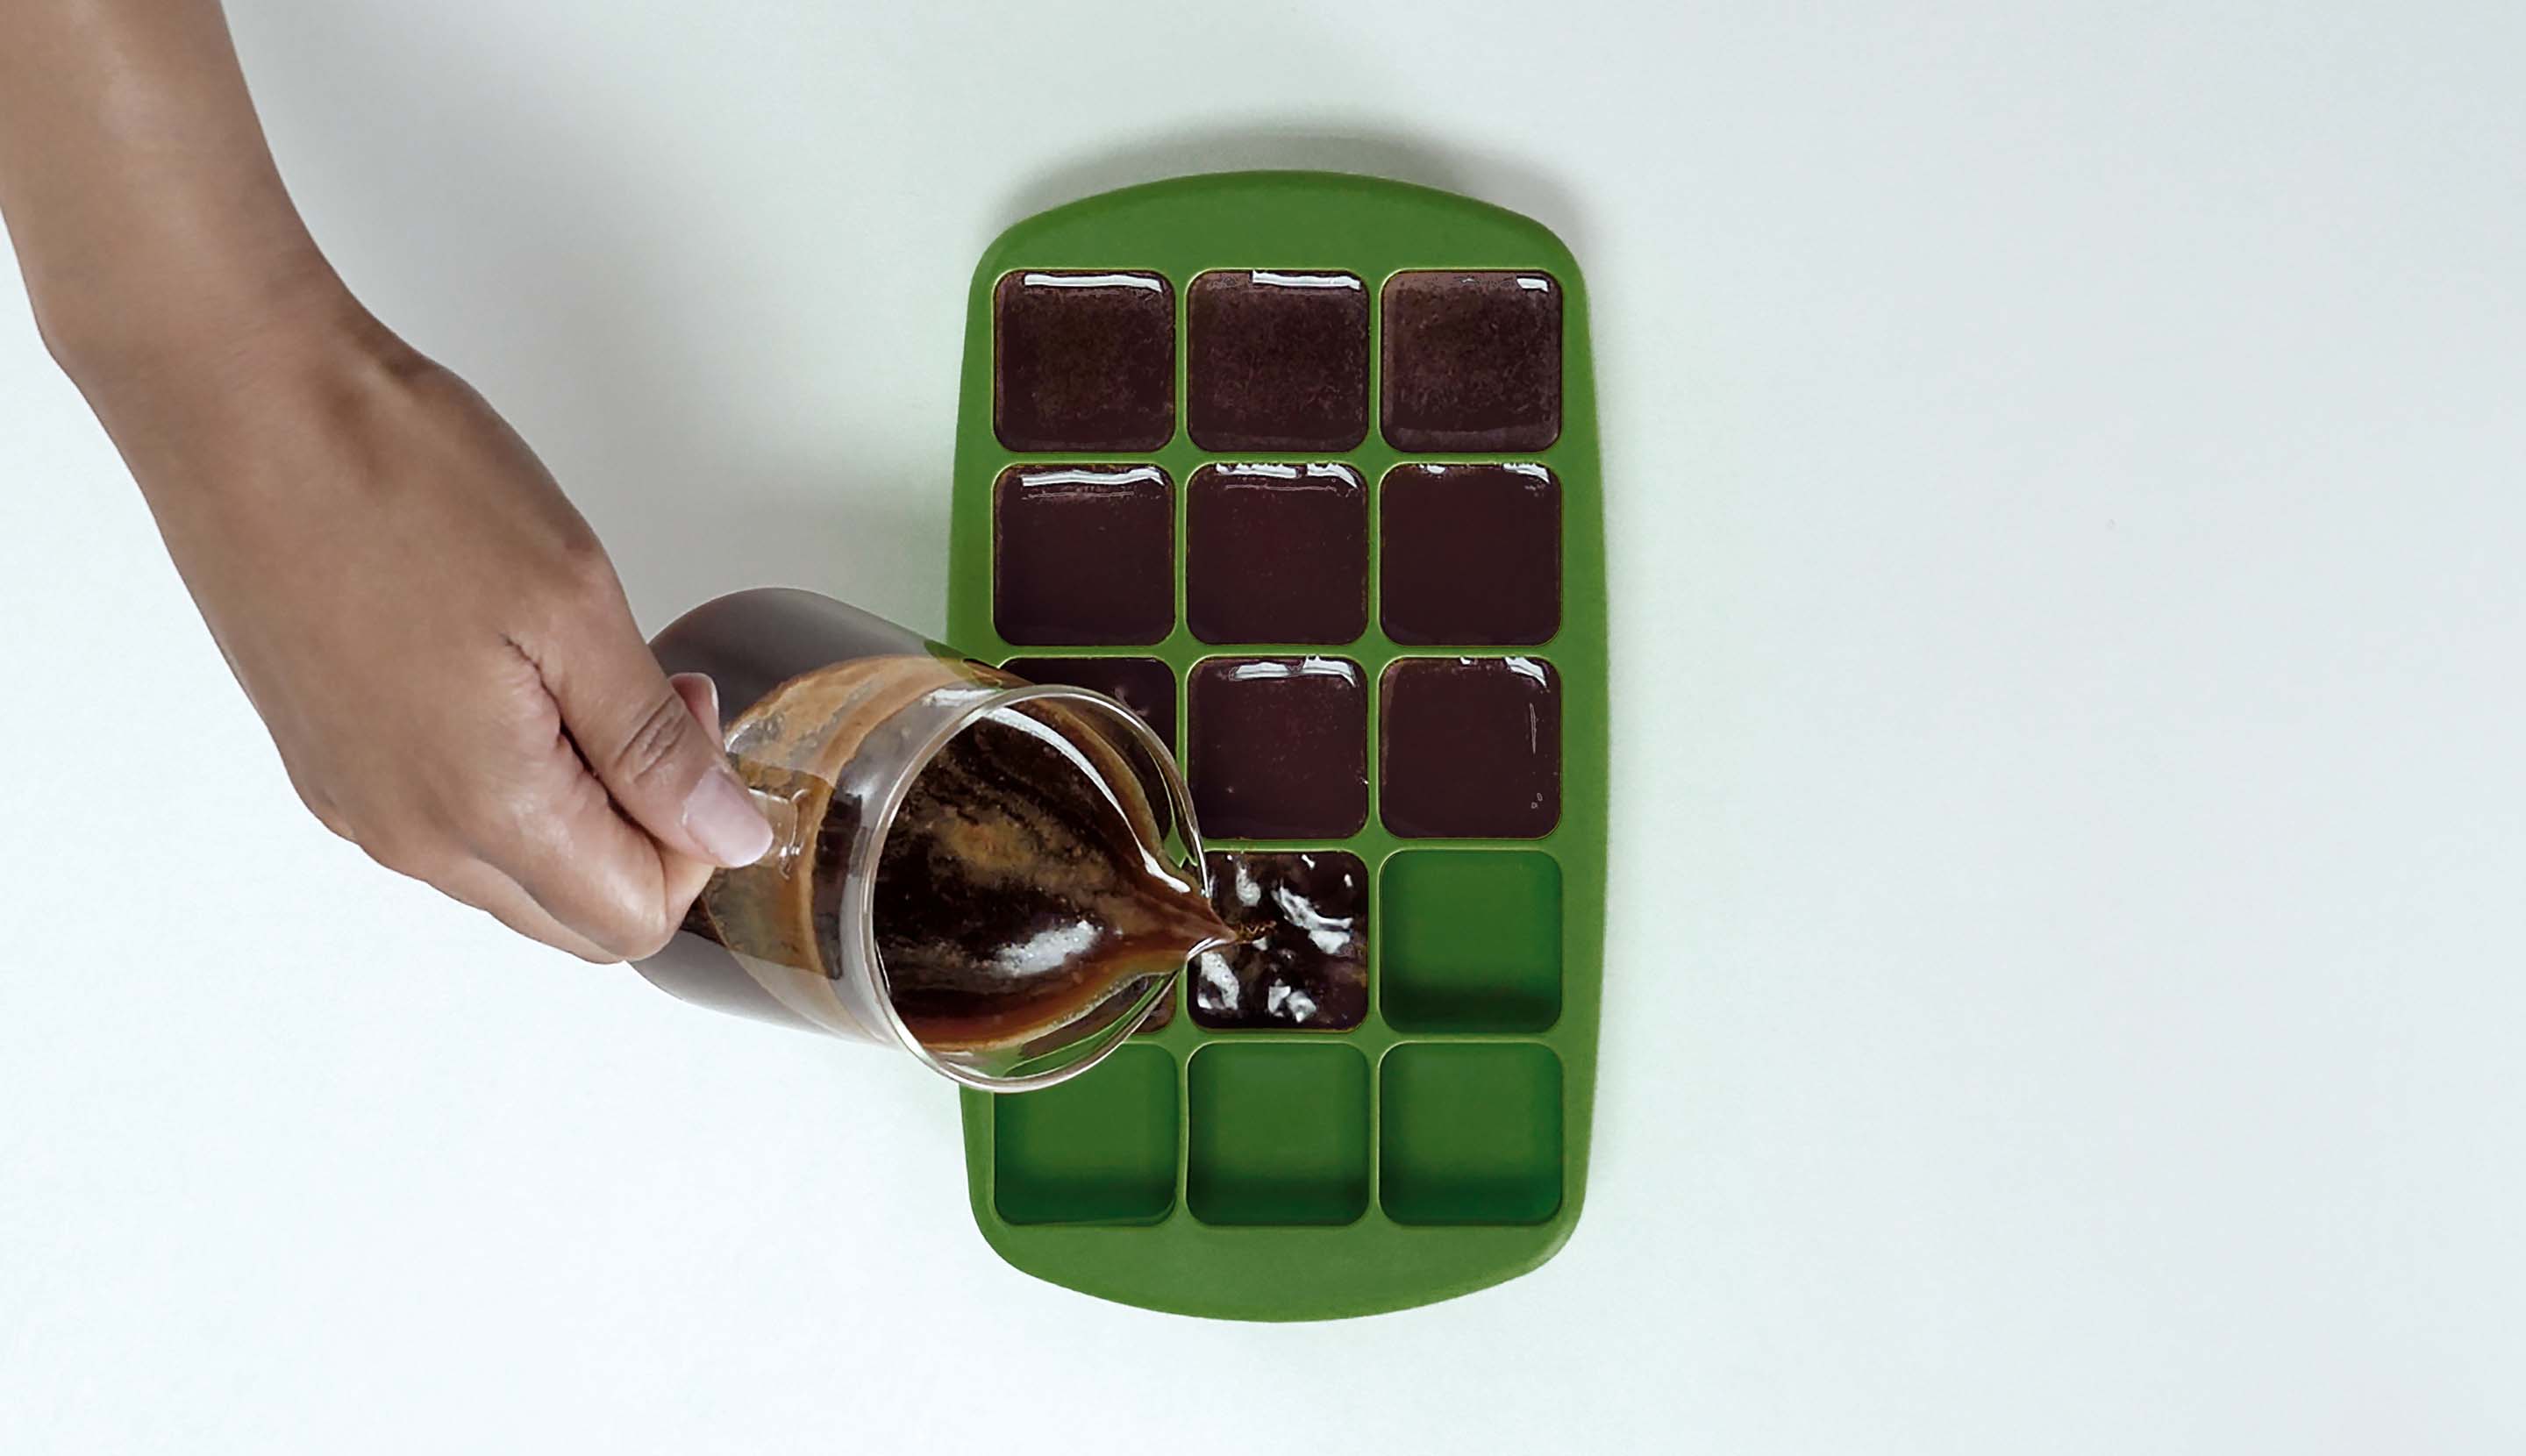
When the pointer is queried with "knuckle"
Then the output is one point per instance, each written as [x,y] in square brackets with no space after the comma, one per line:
[548,933]
[653,936]
[586,569]
[654,753]
[574,593]
[401,854]
[320,805]
[636,934]
[331,818]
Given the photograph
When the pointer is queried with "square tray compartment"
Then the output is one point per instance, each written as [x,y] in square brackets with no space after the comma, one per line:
[1280,1134]
[1471,747]
[1083,554]
[1094,1149]
[1277,553]
[1279,360]
[1309,972]
[1084,360]
[1472,1134]
[1473,360]
[1471,555]
[1279,747]
[1472,940]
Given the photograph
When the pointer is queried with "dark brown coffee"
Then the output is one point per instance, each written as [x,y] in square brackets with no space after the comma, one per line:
[1084,360]
[1279,747]
[1301,958]
[1018,886]
[1277,361]
[1472,555]
[1472,748]
[1473,361]
[1083,554]
[1277,553]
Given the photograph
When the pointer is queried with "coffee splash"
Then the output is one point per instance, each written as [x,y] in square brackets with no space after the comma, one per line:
[1020,884]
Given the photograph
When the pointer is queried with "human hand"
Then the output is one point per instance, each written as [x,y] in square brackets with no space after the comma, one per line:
[435,638]
[431,633]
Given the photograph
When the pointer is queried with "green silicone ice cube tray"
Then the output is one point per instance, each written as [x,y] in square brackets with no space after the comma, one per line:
[1303,466]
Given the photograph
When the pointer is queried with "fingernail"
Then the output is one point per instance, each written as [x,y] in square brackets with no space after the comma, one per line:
[723,821]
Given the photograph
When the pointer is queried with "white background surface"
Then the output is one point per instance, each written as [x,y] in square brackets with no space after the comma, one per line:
[2066,485]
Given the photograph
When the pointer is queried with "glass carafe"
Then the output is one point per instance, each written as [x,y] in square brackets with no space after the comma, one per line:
[830,715]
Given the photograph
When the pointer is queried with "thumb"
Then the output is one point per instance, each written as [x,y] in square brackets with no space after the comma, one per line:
[647,743]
